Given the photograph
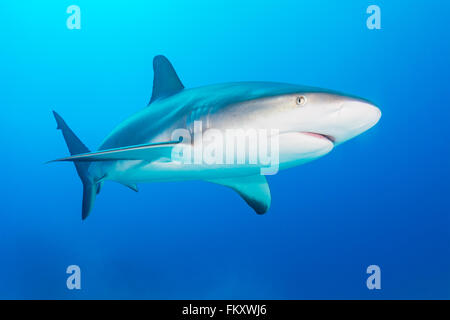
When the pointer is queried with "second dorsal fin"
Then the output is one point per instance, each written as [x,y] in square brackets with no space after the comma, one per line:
[165,79]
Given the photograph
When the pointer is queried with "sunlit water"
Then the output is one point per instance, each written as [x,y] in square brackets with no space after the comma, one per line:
[380,199]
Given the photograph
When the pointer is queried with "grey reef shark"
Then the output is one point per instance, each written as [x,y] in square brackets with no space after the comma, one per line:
[232,134]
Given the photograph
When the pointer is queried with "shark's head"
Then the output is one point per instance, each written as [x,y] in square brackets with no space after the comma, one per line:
[313,123]
[337,118]
[310,122]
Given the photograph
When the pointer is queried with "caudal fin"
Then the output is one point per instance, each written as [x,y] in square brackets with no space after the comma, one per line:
[75,146]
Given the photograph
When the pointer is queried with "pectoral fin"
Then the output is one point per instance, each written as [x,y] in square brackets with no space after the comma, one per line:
[253,189]
[148,152]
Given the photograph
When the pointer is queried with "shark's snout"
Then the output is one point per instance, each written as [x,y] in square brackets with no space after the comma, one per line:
[363,114]
[355,117]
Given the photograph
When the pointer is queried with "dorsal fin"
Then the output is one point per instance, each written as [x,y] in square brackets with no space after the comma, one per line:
[165,79]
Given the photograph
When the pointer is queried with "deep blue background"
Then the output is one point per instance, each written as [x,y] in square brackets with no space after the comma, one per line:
[381,198]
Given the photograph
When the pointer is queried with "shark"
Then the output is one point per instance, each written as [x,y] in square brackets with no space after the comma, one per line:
[307,122]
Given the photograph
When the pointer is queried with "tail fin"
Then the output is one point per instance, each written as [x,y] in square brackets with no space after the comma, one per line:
[75,146]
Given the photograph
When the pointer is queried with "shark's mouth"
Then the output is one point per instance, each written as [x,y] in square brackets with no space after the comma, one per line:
[321,136]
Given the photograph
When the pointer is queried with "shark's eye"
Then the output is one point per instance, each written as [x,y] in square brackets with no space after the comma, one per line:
[301,100]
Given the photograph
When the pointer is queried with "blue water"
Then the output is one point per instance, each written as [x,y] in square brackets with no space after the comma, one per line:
[381,198]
